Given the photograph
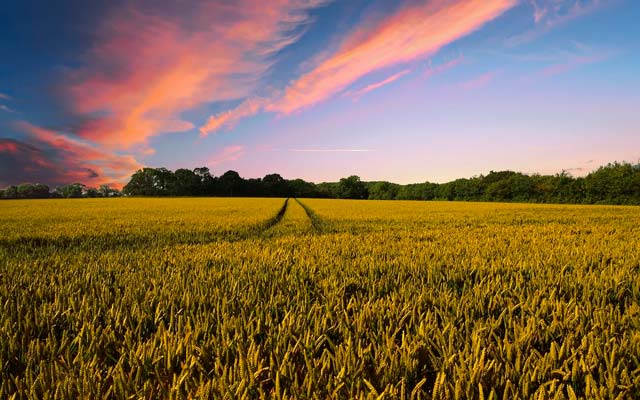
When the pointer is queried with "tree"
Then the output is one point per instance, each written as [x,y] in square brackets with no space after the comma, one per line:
[184,183]
[327,190]
[383,191]
[352,188]
[149,182]
[74,190]
[615,183]
[11,192]
[106,191]
[32,191]
[301,188]
[92,193]
[231,184]
[207,184]
[275,186]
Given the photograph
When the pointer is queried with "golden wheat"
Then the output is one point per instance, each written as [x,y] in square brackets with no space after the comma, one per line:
[242,298]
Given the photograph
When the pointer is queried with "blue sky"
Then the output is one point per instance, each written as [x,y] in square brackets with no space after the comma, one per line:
[407,91]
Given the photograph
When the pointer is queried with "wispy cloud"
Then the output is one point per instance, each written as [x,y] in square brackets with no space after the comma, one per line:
[229,118]
[479,81]
[549,14]
[377,85]
[4,107]
[414,32]
[565,57]
[573,62]
[228,154]
[432,70]
[146,68]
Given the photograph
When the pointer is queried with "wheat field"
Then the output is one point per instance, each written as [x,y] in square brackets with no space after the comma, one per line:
[318,299]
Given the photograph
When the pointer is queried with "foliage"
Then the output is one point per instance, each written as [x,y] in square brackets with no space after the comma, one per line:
[616,183]
[352,188]
[40,191]
[26,191]
[261,298]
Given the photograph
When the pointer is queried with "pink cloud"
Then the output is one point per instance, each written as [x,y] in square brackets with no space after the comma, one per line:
[359,93]
[478,82]
[74,159]
[413,32]
[7,146]
[229,118]
[146,68]
[229,153]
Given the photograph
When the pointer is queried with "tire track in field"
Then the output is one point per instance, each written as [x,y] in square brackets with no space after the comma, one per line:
[275,219]
[318,224]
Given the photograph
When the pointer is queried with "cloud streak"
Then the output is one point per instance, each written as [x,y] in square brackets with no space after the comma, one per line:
[377,85]
[229,118]
[228,154]
[432,71]
[572,63]
[479,81]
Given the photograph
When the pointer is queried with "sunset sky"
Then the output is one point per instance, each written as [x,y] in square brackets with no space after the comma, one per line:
[405,91]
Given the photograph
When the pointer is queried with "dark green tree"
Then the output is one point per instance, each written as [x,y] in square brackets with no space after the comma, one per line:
[231,184]
[352,188]
[184,183]
[275,186]
[149,182]
[383,191]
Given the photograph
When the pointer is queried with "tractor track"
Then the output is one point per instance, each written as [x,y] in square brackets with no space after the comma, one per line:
[317,223]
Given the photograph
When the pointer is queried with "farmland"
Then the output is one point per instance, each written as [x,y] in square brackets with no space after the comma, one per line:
[311,298]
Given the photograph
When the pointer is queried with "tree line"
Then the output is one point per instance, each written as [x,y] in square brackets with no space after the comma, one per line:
[41,191]
[615,183]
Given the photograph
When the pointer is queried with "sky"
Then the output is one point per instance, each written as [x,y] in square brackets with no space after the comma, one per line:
[406,91]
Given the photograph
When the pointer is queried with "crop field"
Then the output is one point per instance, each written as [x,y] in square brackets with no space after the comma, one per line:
[317,299]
